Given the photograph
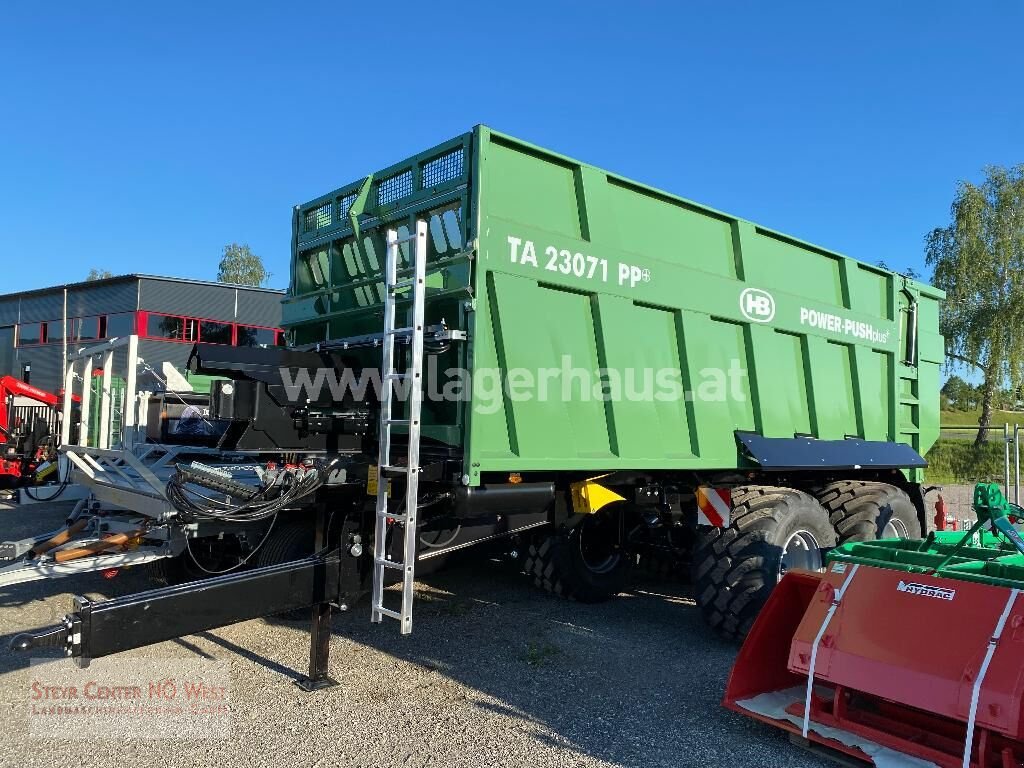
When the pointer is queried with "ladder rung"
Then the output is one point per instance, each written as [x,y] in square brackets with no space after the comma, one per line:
[388,612]
[392,468]
[390,564]
[401,240]
[401,285]
[397,422]
[403,518]
[397,331]
[396,375]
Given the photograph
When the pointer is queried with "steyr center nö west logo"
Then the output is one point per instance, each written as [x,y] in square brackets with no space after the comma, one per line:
[757,306]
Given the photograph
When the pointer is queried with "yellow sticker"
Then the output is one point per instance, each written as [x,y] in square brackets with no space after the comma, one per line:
[371,482]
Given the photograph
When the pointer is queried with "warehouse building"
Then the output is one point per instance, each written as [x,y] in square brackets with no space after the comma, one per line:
[168,314]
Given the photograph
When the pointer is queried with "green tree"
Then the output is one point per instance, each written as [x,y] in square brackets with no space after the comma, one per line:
[906,272]
[98,274]
[978,260]
[959,392]
[240,265]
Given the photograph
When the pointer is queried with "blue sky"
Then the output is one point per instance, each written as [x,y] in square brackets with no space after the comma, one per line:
[143,139]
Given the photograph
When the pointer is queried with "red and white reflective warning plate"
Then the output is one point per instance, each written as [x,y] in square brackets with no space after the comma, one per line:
[713,506]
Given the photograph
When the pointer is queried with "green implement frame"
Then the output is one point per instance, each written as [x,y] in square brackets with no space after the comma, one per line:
[991,552]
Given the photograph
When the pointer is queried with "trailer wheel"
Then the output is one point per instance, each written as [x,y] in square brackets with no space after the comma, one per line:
[584,562]
[736,568]
[865,511]
[286,543]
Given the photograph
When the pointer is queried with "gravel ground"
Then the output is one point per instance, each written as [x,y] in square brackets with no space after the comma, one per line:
[495,674]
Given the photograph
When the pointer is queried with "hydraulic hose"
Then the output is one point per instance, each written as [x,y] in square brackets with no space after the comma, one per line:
[286,489]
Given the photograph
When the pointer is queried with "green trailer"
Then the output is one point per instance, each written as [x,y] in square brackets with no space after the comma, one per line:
[492,344]
[548,262]
[757,396]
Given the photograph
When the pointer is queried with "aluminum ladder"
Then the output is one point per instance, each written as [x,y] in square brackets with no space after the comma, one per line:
[413,380]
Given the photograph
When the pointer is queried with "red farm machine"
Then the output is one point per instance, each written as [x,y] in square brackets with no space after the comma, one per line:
[904,652]
[27,432]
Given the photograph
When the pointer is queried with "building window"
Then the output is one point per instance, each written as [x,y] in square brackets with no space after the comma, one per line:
[249,336]
[149,325]
[54,331]
[88,328]
[122,324]
[165,327]
[85,328]
[31,333]
[211,332]
[192,329]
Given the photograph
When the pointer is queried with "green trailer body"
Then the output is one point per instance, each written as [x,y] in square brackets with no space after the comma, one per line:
[554,265]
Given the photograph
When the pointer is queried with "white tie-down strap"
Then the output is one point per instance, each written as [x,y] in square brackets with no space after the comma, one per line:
[817,640]
[976,690]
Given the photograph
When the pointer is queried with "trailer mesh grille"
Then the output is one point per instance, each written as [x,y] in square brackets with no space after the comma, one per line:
[345,204]
[442,169]
[394,188]
[318,217]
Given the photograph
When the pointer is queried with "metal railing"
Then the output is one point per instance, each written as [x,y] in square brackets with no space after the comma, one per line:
[123,432]
[116,463]
[22,416]
[108,457]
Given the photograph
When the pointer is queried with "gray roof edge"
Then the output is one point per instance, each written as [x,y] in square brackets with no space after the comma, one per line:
[137,276]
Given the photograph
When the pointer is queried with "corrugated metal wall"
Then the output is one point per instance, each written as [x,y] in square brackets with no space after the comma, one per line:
[259,308]
[216,302]
[104,299]
[184,298]
[46,365]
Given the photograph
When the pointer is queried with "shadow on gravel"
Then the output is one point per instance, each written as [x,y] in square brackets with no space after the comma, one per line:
[245,653]
[635,681]
[626,681]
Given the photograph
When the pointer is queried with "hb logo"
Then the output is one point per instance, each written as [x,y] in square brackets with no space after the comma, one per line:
[757,306]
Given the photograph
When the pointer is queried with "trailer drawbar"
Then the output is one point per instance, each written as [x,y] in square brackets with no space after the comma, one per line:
[324,580]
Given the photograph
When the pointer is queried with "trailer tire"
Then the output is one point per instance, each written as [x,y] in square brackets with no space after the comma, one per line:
[286,543]
[864,511]
[557,563]
[736,568]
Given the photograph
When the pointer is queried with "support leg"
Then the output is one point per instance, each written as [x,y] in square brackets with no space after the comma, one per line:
[319,650]
[320,624]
